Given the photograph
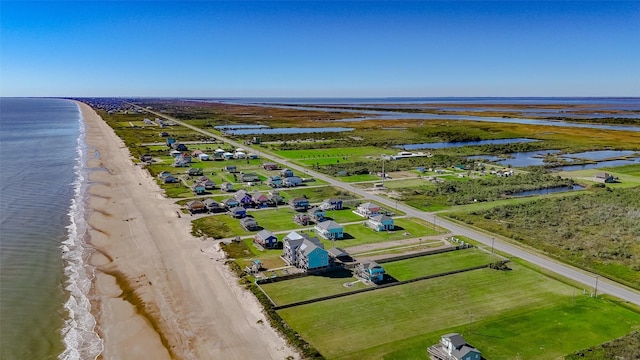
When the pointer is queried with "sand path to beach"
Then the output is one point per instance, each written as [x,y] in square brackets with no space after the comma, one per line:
[160,293]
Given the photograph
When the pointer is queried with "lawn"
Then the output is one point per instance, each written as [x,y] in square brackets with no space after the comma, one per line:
[512,306]
[344,154]
[358,234]
[311,287]
[436,264]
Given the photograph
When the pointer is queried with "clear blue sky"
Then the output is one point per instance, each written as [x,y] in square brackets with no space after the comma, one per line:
[322,49]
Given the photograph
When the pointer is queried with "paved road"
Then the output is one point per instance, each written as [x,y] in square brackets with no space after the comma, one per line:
[589,280]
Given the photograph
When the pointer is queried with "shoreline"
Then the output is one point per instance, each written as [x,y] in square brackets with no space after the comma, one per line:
[158,292]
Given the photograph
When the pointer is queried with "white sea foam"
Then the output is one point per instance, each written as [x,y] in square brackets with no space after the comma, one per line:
[80,338]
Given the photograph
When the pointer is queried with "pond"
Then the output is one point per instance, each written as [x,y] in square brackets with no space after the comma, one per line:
[599,165]
[519,159]
[276,131]
[446,145]
[548,191]
[600,154]
[239,126]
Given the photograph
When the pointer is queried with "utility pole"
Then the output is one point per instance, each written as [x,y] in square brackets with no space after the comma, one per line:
[492,241]
[595,292]
[470,321]
[383,174]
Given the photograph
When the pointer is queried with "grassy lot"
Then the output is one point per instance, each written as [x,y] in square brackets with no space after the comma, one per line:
[311,287]
[358,234]
[343,154]
[401,322]
[629,175]
[358,178]
[597,231]
[436,264]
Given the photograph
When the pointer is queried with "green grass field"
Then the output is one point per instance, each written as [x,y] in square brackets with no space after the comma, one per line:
[311,287]
[516,314]
[359,234]
[436,264]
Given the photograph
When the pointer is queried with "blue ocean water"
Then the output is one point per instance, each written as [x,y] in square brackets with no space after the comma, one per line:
[44,283]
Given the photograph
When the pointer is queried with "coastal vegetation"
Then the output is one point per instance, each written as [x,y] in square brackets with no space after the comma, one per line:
[598,231]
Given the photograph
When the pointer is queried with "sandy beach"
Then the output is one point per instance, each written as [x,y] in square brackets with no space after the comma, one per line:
[160,293]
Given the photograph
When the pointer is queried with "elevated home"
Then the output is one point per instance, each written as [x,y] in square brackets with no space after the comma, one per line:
[146,158]
[285,173]
[299,204]
[453,347]
[332,204]
[368,209]
[198,189]
[164,134]
[163,174]
[338,255]
[330,230]
[227,155]
[208,184]
[230,169]
[227,186]
[603,177]
[275,199]
[292,181]
[212,206]
[174,153]
[270,166]
[243,197]
[260,199]
[317,214]
[252,156]
[304,252]
[194,172]
[249,224]
[275,181]
[170,142]
[196,206]
[180,161]
[204,157]
[230,203]
[380,223]
[312,255]
[196,153]
[238,212]
[370,271]
[301,219]
[266,239]
[170,179]
[239,155]
[178,146]
[249,177]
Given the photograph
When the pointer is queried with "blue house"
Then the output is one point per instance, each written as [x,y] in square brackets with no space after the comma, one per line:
[275,181]
[330,230]
[317,214]
[266,239]
[299,204]
[304,252]
[370,271]
[453,347]
[380,223]
[332,204]
[230,203]
[199,189]
[238,212]
[170,141]
[292,181]
[243,197]
[312,255]
[286,173]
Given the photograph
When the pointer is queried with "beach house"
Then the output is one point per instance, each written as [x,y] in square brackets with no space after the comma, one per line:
[226,186]
[260,200]
[332,204]
[317,214]
[212,206]
[329,230]
[270,166]
[249,224]
[286,173]
[266,239]
[243,197]
[370,271]
[238,212]
[304,252]
[453,347]
[275,181]
[299,204]
[196,206]
[380,222]
[198,189]
[292,181]
[368,209]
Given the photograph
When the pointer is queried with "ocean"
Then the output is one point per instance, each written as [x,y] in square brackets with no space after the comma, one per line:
[44,279]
